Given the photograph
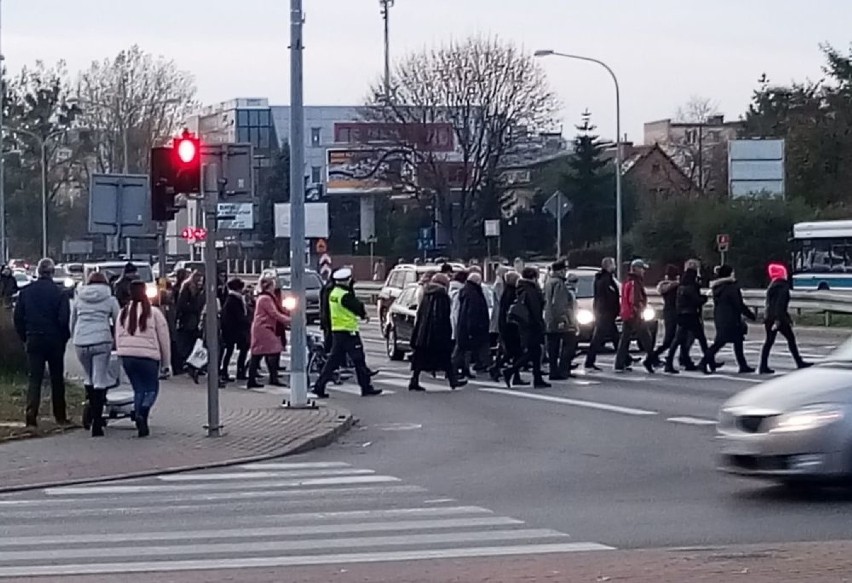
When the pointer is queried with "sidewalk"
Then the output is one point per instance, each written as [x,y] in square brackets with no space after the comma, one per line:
[255,427]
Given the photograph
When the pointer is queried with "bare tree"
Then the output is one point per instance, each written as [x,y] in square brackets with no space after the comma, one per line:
[133,102]
[697,110]
[702,154]
[484,95]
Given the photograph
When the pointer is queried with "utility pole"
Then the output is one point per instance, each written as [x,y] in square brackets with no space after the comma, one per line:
[386,5]
[4,252]
[210,200]
[298,344]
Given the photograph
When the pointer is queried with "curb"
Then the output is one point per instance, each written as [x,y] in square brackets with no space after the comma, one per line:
[309,444]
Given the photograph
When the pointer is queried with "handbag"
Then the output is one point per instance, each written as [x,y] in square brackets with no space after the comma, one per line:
[518,314]
[198,357]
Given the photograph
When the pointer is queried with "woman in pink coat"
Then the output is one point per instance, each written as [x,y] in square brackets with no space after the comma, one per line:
[269,321]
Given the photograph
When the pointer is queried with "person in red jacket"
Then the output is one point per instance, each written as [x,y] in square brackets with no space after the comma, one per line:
[634,301]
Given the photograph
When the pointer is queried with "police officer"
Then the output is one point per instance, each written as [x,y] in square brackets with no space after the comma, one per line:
[345,311]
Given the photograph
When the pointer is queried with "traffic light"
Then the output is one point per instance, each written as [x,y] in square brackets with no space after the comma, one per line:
[162,190]
[187,164]
[174,170]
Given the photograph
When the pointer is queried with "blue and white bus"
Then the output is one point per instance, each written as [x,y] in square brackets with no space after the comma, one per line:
[822,255]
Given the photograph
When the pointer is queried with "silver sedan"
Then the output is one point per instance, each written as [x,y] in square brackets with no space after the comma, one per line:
[796,428]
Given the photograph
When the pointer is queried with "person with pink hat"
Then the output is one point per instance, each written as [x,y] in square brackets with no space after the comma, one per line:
[777,318]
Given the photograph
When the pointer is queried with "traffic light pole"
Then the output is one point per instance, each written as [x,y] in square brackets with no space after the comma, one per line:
[298,335]
[210,199]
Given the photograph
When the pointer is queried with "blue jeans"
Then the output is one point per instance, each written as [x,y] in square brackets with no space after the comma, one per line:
[144,377]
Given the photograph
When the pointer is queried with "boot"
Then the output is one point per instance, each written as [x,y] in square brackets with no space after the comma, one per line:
[509,376]
[765,370]
[97,403]
[87,408]
[142,423]
[540,383]
[670,369]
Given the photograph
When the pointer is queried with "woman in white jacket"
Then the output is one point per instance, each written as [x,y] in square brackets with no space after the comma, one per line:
[93,315]
[142,341]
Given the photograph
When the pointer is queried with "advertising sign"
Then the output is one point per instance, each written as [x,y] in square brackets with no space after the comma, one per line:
[367,171]
[316,220]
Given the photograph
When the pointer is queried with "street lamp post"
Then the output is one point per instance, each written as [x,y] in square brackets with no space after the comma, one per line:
[42,142]
[619,205]
[3,246]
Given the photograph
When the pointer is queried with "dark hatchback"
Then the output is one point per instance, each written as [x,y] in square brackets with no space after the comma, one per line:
[313,285]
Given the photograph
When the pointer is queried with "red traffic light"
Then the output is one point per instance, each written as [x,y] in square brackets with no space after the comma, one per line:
[187,150]
[193,234]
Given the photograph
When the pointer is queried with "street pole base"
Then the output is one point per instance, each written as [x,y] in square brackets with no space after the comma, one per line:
[310,404]
[214,431]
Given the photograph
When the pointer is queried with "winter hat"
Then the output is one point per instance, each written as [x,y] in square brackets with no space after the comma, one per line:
[725,271]
[441,279]
[777,271]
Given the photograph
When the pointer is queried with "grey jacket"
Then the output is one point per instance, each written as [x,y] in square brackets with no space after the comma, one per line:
[94,312]
[560,306]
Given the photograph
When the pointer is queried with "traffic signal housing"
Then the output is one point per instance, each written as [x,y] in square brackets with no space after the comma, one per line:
[175,169]
[187,164]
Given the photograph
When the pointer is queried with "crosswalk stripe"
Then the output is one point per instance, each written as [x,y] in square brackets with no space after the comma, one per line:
[292,561]
[302,530]
[261,475]
[281,546]
[121,489]
[691,421]
[294,466]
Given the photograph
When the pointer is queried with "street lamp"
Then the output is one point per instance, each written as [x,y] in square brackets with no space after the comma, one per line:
[619,206]
[42,142]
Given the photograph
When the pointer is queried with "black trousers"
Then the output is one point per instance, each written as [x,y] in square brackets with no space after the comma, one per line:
[784,328]
[633,329]
[531,355]
[561,347]
[480,354]
[185,343]
[605,330]
[273,363]
[41,351]
[228,353]
[739,351]
[689,330]
[670,325]
[345,344]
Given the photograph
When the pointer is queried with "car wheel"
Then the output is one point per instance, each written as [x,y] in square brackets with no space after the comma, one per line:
[394,353]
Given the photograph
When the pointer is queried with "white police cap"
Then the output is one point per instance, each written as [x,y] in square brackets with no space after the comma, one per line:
[341,274]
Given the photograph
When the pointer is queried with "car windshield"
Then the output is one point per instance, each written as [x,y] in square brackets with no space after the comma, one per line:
[312,281]
[113,272]
[585,287]
[22,277]
[60,272]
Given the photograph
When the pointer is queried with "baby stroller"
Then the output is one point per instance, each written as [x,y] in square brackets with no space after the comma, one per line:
[119,397]
[317,357]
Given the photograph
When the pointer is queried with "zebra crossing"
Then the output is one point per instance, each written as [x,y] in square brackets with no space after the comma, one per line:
[272,515]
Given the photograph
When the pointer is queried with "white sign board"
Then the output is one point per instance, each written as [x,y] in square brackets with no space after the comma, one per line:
[243,213]
[316,220]
[492,228]
[756,168]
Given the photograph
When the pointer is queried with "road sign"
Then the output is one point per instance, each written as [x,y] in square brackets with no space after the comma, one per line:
[723,242]
[316,220]
[120,204]
[558,205]
[236,216]
[321,246]
[492,228]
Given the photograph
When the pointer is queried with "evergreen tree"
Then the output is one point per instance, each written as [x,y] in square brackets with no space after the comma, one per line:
[588,184]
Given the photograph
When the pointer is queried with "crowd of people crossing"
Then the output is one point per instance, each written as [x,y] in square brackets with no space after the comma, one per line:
[462,327]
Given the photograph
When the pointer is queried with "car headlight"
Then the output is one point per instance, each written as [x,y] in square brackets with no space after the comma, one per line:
[68,282]
[151,292]
[649,314]
[807,418]
[290,303]
[585,317]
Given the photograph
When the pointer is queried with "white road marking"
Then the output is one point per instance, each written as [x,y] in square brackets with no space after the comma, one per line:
[139,551]
[286,531]
[430,387]
[691,421]
[573,402]
[306,483]
[294,466]
[262,475]
[291,561]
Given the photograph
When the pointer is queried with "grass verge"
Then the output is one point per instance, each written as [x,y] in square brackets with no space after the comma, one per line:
[13,402]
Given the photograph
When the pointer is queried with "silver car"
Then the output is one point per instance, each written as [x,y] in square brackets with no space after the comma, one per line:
[793,428]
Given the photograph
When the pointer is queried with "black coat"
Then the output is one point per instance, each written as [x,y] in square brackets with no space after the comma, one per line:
[121,290]
[474,321]
[508,332]
[606,303]
[531,296]
[189,309]
[690,300]
[8,288]
[43,310]
[778,302]
[236,325]
[729,310]
[432,337]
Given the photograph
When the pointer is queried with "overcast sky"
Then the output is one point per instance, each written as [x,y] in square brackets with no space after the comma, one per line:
[663,51]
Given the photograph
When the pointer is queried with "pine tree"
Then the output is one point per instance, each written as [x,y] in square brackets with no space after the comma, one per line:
[588,185]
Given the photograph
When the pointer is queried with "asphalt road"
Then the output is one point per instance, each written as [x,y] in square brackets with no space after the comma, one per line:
[600,463]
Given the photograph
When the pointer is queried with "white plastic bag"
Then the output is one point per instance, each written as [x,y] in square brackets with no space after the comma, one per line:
[198,358]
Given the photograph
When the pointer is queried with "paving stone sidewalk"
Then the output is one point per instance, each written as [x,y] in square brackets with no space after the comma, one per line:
[255,427]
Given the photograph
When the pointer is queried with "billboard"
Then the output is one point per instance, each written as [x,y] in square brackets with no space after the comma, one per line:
[367,171]
[756,168]
[426,137]
[316,220]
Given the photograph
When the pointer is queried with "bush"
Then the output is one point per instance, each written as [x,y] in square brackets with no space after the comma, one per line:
[674,231]
[13,357]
